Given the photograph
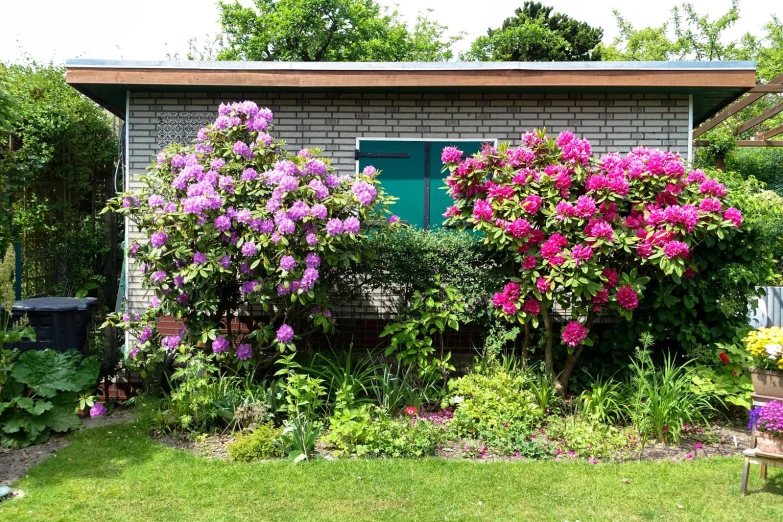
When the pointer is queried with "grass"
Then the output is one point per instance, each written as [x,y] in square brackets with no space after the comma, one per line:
[116,473]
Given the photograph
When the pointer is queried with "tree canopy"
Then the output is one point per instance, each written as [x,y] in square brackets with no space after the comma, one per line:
[328,31]
[536,34]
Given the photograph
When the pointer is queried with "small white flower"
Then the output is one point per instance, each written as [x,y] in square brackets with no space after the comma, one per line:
[457,399]
[773,349]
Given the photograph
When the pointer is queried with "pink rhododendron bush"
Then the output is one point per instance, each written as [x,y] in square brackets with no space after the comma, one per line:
[236,227]
[586,234]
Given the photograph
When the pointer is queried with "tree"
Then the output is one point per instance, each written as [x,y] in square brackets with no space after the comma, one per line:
[685,36]
[328,31]
[585,236]
[536,34]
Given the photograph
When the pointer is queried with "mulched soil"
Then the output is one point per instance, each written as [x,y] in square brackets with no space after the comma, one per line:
[14,462]
[724,441]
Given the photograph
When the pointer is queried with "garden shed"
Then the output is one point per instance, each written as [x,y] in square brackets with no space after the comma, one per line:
[399,116]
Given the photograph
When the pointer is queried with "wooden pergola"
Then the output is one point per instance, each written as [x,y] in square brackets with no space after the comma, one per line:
[763,139]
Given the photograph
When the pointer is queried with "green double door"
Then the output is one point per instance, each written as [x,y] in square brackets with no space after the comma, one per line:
[411,171]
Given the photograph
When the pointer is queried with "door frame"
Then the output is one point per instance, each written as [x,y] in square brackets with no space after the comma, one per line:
[427,166]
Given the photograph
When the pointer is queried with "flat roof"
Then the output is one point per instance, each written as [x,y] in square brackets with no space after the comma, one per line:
[712,84]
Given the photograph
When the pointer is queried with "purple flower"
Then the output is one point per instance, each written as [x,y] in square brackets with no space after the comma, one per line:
[155,201]
[146,335]
[159,239]
[155,302]
[318,211]
[178,161]
[315,167]
[311,239]
[334,227]
[98,410]
[332,181]
[248,287]
[321,192]
[199,258]
[264,138]
[220,344]
[222,223]
[364,192]
[351,225]
[244,352]
[158,276]
[183,299]
[312,260]
[394,219]
[133,249]
[225,262]
[287,262]
[285,334]
[227,184]
[179,281]
[298,210]
[170,342]
[217,163]
[249,249]
[243,150]
[248,175]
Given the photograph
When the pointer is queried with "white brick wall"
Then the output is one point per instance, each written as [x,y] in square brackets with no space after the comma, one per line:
[333,121]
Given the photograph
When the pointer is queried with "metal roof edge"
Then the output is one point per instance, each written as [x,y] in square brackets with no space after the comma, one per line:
[409,66]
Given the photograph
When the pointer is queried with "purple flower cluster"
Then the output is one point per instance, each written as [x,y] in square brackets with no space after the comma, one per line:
[364,192]
[220,344]
[158,239]
[768,418]
[285,334]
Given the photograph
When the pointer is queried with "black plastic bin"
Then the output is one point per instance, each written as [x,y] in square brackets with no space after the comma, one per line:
[60,323]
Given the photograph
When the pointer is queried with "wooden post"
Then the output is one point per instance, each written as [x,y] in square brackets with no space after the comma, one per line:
[720,162]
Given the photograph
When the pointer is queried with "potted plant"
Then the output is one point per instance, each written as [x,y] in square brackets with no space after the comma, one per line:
[766,422]
[766,347]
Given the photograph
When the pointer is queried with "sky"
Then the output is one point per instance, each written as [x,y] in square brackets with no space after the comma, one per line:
[53,30]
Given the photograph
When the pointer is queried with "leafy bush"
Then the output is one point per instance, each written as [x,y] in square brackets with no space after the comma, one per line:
[432,312]
[255,445]
[380,435]
[578,436]
[298,438]
[585,234]
[347,377]
[236,222]
[409,260]
[661,399]
[725,376]
[603,401]
[396,386]
[486,400]
[762,163]
[40,391]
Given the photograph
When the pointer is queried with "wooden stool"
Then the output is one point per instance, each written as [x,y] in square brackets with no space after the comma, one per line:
[753,456]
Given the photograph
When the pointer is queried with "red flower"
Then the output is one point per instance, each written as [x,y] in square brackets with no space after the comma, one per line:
[411,410]
[724,358]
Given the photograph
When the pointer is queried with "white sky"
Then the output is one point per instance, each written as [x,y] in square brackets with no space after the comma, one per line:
[148,29]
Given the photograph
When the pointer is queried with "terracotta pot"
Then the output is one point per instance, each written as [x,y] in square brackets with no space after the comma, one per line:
[767,383]
[769,443]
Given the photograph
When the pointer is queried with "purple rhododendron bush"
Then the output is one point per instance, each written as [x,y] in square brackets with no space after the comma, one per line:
[236,227]
[585,234]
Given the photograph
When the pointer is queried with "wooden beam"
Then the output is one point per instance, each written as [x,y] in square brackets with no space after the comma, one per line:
[772,132]
[745,143]
[733,109]
[758,119]
[765,88]
[672,78]
[759,143]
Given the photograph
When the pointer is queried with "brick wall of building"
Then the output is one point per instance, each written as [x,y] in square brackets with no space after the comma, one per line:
[333,121]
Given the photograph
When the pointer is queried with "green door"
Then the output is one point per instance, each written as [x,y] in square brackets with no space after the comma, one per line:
[411,171]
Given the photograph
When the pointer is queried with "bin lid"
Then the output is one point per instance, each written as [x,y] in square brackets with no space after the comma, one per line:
[54,304]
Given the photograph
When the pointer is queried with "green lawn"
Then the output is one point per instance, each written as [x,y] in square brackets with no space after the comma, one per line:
[118,473]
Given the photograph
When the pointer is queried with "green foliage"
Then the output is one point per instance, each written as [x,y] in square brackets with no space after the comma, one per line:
[687,35]
[56,161]
[712,307]
[721,142]
[39,393]
[762,163]
[298,438]
[255,445]
[729,382]
[347,377]
[536,34]
[397,386]
[303,393]
[408,260]
[328,31]
[580,436]
[661,398]
[431,314]
[486,400]
[357,431]
[8,104]
[602,401]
